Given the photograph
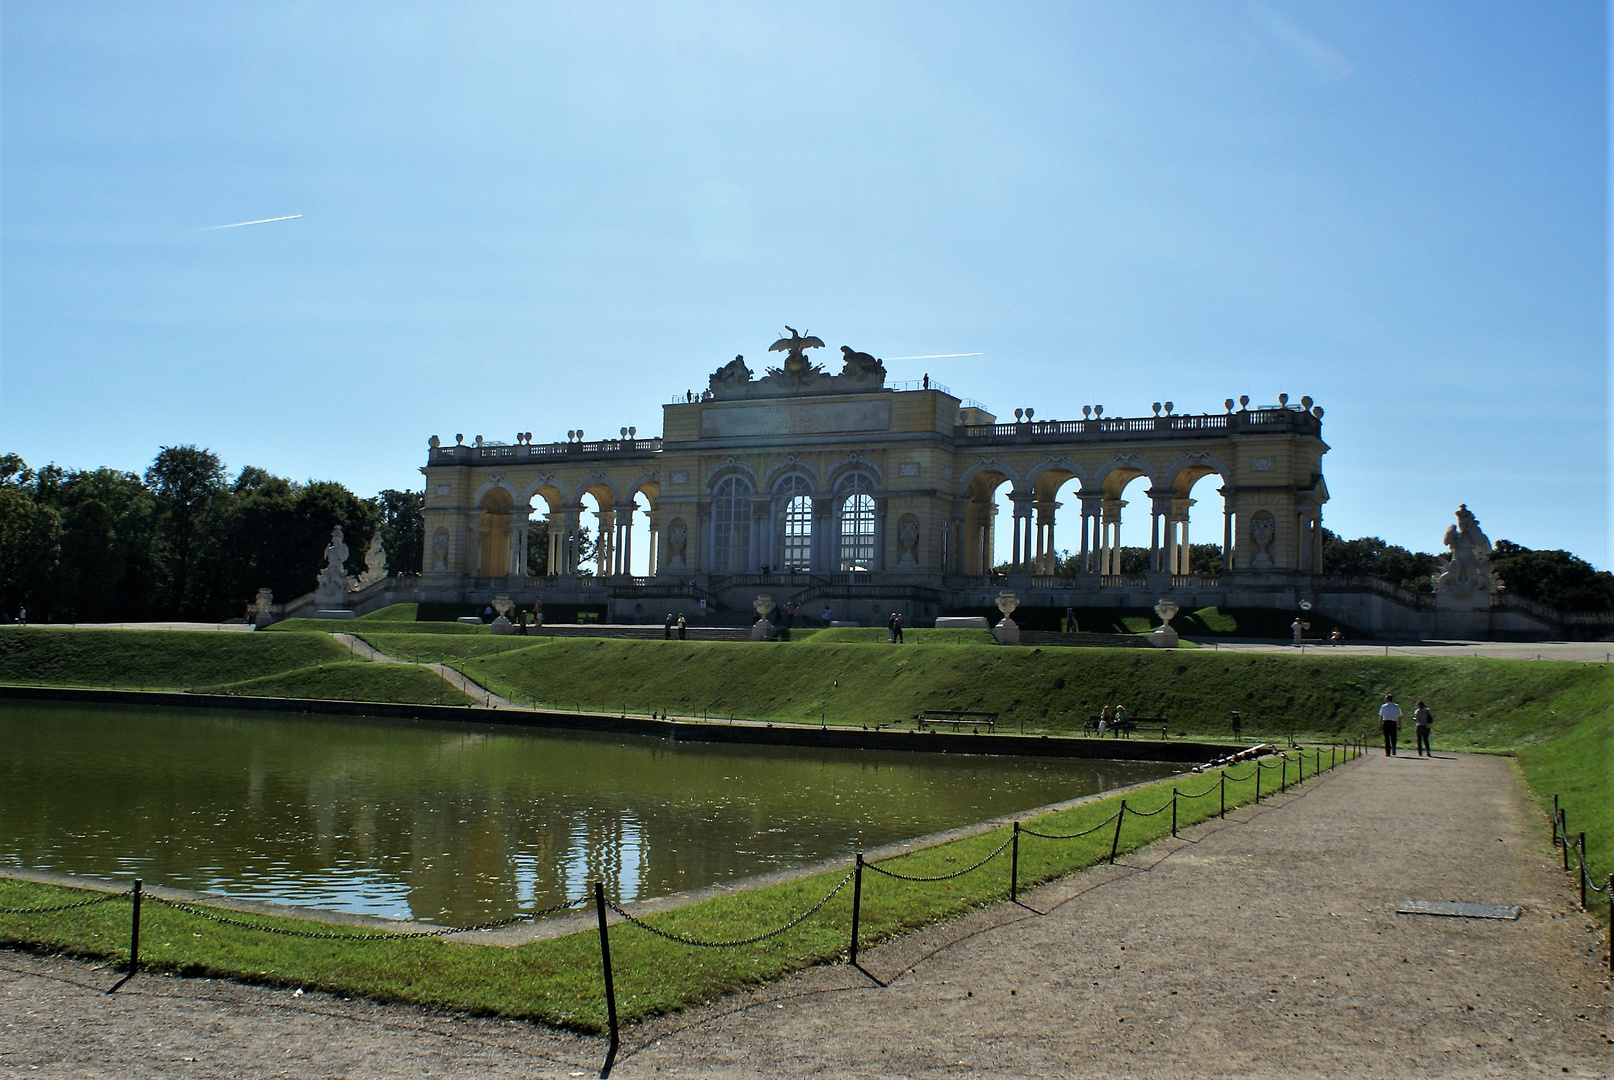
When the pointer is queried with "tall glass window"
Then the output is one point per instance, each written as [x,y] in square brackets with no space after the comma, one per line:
[857,523]
[797,547]
[731,526]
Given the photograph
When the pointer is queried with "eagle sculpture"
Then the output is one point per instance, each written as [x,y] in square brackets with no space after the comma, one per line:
[796,362]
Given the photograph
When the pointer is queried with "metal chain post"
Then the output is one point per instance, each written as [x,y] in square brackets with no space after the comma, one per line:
[610,984]
[1581,858]
[1563,822]
[1224,793]
[1116,843]
[857,904]
[1258,782]
[1173,813]
[1014,866]
[1555,821]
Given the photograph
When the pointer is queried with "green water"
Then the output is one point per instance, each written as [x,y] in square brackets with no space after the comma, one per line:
[461,823]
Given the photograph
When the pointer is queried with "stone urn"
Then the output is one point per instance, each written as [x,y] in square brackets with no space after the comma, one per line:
[502,624]
[1007,632]
[762,629]
[1165,637]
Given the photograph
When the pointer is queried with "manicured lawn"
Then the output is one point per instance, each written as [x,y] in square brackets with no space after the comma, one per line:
[1492,704]
[350,680]
[155,659]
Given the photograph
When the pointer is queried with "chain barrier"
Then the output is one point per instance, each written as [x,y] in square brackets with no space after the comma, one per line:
[1208,791]
[391,935]
[697,943]
[943,877]
[1150,813]
[1241,779]
[1074,835]
[1582,871]
[107,899]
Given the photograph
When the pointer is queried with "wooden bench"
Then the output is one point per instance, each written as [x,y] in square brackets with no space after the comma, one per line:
[957,718]
[1123,729]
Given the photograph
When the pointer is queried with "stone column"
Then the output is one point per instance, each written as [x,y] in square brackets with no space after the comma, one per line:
[654,555]
[571,524]
[1109,547]
[473,562]
[1227,532]
[1022,533]
[824,540]
[1178,556]
[1159,516]
[1092,509]
[761,536]
[624,531]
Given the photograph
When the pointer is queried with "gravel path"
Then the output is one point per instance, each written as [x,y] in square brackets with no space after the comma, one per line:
[1264,946]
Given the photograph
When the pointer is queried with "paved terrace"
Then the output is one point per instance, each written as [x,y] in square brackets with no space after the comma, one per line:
[1263,946]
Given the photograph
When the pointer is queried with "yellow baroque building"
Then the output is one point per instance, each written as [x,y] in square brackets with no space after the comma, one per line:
[840,491]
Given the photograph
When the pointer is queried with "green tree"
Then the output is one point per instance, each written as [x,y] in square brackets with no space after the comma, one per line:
[185,482]
[30,542]
[1555,578]
[1373,557]
[403,529]
[105,568]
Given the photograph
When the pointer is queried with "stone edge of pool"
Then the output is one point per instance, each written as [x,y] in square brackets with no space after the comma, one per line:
[682,729]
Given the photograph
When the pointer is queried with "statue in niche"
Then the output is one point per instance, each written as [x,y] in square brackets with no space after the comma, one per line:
[1263,528]
[1467,574]
[908,540]
[796,362]
[677,538]
[375,562]
[860,365]
[440,550]
[731,375]
[333,584]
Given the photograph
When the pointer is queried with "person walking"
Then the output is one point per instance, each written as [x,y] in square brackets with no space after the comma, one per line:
[891,629]
[1421,719]
[896,624]
[1390,724]
[1070,620]
[681,634]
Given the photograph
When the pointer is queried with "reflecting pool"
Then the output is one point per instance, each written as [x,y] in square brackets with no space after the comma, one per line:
[462,823]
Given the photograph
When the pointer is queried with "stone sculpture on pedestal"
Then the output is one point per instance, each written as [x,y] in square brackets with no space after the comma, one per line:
[1466,585]
[375,563]
[1165,637]
[334,584]
[762,629]
[1007,632]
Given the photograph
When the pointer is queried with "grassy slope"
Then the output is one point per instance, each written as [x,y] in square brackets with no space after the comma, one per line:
[1579,768]
[155,659]
[390,626]
[558,981]
[350,680]
[1495,704]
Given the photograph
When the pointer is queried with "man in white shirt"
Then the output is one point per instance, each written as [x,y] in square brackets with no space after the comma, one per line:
[1390,724]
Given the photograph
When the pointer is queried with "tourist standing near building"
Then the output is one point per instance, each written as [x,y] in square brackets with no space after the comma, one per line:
[1390,724]
[666,628]
[1421,719]
[680,628]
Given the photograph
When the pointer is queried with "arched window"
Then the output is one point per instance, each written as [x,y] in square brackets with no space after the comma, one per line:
[857,523]
[796,512]
[731,526]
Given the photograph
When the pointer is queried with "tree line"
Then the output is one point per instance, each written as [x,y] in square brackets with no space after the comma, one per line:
[183,541]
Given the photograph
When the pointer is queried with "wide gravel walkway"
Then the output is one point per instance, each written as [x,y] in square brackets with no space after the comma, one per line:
[1267,945]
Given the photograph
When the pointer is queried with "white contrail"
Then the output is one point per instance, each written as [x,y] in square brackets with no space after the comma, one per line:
[935,356]
[257,221]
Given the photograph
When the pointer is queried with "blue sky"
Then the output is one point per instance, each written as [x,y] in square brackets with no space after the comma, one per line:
[543,217]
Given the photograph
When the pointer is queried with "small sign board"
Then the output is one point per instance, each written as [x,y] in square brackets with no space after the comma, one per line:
[1458,909]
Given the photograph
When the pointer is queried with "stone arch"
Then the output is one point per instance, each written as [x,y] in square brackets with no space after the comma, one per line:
[853,463]
[547,488]
[1046,478]
[987,465]
[497,483]
[730,467]
[1186,471]
[788,465]
[495,530]
[1114,475]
